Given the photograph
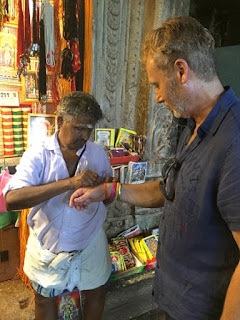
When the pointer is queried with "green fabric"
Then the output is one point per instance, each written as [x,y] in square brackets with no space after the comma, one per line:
[8,217]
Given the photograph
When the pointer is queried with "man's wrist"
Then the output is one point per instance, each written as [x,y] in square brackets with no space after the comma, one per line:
[71,183]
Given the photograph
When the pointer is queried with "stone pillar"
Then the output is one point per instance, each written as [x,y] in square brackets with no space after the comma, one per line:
[156,121]
[119,83]
[162,126]
[117,38]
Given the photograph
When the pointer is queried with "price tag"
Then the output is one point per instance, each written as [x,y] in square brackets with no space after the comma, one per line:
[9,98]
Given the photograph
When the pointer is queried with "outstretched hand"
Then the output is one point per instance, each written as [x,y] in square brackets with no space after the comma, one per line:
[81,198]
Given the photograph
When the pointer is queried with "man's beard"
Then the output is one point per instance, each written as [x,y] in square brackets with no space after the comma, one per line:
[177,102]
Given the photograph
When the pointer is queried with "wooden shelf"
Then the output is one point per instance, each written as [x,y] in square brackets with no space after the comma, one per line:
[9,160]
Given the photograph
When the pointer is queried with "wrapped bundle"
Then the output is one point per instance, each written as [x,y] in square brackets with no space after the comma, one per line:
[7,131]
[25,112]
[1,135]
[17,130]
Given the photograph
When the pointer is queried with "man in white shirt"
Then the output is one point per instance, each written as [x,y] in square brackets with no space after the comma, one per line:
[66,249]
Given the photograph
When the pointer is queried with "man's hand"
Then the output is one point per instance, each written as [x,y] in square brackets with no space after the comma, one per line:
[86,178]
[111,179]
[81,198]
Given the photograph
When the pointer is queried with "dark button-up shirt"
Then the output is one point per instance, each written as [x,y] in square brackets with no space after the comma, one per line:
[197,254]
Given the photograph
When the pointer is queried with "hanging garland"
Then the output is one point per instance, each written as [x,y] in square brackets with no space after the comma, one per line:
[20,36]
[57,69]
[48,17]
[70,54]
[34,48]
[27,28]
[69,20]
[42,66]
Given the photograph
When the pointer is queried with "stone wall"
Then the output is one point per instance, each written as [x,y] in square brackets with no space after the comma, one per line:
[119,83]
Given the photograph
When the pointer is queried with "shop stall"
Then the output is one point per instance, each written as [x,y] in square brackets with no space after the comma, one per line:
[45,53]
[42,57]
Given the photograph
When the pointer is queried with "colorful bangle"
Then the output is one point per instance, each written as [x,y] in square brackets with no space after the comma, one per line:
[106,192]
[117,190]
[113,192]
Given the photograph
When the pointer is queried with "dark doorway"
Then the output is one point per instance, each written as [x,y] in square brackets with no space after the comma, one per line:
[221,17]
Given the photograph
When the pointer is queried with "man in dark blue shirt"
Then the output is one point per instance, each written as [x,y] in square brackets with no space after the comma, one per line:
[198,272]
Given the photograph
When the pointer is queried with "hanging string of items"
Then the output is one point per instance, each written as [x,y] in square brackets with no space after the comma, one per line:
[42,75]
[49,31]
[26,46]
[7,11]
[70,54]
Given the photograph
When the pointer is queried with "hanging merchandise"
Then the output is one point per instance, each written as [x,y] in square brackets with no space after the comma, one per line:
[20,36]
[23,38]
[42,66]
[34,48]
[57,70]
[67,59]
[70,55]
[70,30]
[53,60]
[81,28]
[24,60]
[48,18]
[11,9]
[27,28]
[4,12]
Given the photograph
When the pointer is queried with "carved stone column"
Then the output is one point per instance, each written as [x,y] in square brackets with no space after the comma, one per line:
[117,38]
[119,83]
[162,126]
[155,119]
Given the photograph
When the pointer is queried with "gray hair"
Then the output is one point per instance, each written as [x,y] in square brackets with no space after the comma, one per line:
[184,38]
[78,104]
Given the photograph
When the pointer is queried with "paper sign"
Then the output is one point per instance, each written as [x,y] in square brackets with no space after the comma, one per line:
[9,98]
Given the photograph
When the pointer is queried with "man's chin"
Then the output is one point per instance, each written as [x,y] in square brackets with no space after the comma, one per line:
[178,115]
[76,146]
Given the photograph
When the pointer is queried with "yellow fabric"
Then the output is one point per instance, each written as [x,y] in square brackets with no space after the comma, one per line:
[88,47]
[23,237]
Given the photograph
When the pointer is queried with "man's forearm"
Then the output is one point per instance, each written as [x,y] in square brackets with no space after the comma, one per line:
[147,195]
[31,196]
[231,309]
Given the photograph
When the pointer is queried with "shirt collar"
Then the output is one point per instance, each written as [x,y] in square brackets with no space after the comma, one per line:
[51,143]
[215,117]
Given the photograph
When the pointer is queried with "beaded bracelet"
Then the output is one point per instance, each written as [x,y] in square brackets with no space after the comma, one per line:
[117,190]
[113,192]
[106,192]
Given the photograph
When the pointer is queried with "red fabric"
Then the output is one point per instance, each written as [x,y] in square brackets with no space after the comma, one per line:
[27,27]
[37,22]
[54,87]
[75,48]
[76,61]
[73,84]
[20,37]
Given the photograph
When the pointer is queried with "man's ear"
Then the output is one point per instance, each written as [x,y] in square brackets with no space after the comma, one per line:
[59,122]
[182,69]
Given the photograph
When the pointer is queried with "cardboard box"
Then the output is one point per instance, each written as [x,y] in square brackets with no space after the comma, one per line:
[9,252]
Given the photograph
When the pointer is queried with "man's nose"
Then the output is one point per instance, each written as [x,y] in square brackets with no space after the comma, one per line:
[158,97]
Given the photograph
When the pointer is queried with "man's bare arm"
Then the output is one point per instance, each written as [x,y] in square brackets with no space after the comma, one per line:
[146,195]
[31,196]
